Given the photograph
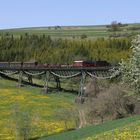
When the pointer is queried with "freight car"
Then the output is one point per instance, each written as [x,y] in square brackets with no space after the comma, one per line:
[15,65]
[30,64]
[18,65]
[4,64]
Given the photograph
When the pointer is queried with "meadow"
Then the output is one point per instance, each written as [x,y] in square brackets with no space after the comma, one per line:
[121,129]
[127,132]
[27,107]
[30,106]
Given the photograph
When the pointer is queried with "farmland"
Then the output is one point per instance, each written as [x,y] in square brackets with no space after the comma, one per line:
[123,129]
[90,31]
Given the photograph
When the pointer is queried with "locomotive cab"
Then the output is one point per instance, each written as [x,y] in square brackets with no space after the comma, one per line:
[81,63]
[78,63]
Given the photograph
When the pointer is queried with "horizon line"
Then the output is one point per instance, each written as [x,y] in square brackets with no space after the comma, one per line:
[43,26]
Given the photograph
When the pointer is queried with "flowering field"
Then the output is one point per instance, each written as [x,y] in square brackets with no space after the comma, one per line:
[128,132]
[121,129]
[39,109]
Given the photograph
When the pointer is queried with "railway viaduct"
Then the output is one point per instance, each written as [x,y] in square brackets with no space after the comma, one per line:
[58,73]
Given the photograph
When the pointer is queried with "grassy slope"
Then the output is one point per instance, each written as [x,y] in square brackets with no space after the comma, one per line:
[91,131]
[69,31]
[42,108]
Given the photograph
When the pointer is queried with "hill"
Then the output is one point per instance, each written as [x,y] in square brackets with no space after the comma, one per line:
[28,109]
[76,31]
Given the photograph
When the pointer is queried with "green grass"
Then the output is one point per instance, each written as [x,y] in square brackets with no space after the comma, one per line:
[93,130]
[41,107]
[70,31]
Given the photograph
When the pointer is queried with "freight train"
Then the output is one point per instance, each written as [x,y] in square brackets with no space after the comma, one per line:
[76,64]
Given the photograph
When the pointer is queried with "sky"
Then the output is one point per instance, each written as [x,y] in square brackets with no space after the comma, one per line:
[37,13]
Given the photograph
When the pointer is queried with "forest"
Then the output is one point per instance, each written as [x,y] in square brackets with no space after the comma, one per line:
[44,49]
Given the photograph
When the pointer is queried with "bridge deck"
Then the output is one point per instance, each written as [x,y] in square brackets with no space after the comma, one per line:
[56,69]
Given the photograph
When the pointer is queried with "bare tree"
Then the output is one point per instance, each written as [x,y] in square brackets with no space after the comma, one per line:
[110,104]
[68,115]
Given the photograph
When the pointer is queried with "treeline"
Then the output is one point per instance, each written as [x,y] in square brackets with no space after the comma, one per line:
[44,49]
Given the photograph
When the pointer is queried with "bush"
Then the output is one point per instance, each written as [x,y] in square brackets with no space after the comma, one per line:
[83,36]
[110,104]
[68,115]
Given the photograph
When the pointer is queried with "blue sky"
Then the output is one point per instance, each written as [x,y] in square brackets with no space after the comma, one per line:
[32,13]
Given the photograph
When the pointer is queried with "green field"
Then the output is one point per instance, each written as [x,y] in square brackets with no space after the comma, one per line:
[41,109]
[123,129]
[72,31]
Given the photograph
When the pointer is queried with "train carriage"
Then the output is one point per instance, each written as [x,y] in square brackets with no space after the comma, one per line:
[16,65]
[4,64]
[30,64]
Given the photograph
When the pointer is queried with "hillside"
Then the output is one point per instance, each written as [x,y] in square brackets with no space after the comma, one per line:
[123,129]
[29,109]
[45,49]
[76,31]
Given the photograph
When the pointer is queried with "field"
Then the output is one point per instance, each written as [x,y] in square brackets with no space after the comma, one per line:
[123,129]
[40,110]
[28,105]
[73,31]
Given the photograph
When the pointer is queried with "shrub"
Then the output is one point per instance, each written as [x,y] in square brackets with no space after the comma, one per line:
[110,104]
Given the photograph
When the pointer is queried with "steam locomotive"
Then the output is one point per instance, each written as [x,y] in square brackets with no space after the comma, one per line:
[76,64]
[82,63]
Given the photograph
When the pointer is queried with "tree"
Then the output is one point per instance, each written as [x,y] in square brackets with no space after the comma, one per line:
[66,116]
[114,26]
[110,103]
[83,36]
[130,69]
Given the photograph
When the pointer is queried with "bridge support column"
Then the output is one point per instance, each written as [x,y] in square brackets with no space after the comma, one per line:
[58,84]
[96,87]
[30,79]
[20,79]
[80,98]
[82,83]
[45,88]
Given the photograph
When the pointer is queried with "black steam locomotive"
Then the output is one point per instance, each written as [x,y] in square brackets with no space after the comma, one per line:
[82,63]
